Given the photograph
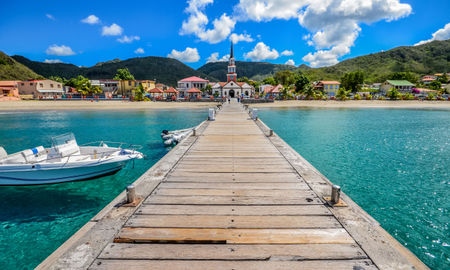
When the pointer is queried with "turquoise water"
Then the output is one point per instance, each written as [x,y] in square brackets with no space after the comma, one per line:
[34,221]
[394,163]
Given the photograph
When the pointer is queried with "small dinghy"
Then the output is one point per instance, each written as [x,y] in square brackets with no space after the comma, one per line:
[174,137]
[65,161]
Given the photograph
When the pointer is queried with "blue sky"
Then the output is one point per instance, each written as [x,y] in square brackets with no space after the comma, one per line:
[317,33]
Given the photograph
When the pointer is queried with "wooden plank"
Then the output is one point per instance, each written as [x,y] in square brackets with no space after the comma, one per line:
[177,176]
[234,236]
[235,265]
[233,192]
[240,222]
[271,186]
[229,200]
[232,252]
[235,210]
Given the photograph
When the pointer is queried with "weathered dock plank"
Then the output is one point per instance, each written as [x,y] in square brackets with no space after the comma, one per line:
[232,198]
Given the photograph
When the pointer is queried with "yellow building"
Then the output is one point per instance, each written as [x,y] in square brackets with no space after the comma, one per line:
[127,87]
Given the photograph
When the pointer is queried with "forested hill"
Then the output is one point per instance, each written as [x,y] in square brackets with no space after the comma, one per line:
[252,70]
[164,70]
[10,69]
[430,58]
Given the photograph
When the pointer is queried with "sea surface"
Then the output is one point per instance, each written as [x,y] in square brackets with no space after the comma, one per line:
[34,221]
[394,163]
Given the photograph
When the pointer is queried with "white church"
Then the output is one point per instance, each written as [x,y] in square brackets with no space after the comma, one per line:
[231,87]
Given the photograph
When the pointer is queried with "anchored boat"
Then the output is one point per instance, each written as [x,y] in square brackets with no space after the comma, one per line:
[65,161]
[174,137]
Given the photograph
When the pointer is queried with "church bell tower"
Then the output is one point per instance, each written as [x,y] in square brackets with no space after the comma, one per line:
[232,75]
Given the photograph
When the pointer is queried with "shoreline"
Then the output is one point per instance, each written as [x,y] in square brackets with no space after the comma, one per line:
[362,104]
[34,105]
[51,105]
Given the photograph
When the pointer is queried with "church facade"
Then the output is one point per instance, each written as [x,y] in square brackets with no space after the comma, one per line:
[232,87]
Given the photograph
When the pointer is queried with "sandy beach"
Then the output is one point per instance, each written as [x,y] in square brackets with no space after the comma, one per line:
[34,105]
[411,104]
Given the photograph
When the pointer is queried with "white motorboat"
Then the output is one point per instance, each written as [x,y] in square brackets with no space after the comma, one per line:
[176,136]
[65,161]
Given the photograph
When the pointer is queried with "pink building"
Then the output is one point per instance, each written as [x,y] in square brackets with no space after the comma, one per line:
[9,90]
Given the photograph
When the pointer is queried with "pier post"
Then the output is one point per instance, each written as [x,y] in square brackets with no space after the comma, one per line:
[194,132]
[255,114]
[271,133]
[335,194]
[131,194]
[211,114]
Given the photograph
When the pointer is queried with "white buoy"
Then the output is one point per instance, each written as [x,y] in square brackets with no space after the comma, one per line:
[211,114]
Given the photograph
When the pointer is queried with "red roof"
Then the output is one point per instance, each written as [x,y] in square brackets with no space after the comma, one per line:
[194,90]
[155,90]
[8,83]
[171,90]
[194,79]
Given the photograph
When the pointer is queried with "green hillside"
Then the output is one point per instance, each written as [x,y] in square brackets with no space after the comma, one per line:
[252,70]
[10,69]
[430,58]
[164,70]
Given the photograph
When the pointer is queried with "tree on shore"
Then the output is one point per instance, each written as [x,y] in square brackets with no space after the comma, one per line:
[393,94]
[269,80]
[435,85]
[83,86]
[353,81]
[301,82]
[342,93]
[443,78]
[139,93]
[285,77]
[207,89]
[123,74]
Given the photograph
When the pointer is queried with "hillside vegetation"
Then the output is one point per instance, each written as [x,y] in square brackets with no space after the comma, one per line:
[12,70]
[430,58]
[252,70]
[164,70]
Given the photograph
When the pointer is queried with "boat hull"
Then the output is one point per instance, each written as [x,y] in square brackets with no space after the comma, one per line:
[39,175]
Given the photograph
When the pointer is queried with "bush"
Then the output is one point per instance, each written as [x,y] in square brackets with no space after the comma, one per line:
[381,98]
[357,97]
[430,97]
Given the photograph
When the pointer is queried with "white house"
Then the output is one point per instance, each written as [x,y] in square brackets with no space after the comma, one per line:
[192,82]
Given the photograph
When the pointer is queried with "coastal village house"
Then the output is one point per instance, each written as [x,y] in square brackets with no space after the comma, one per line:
[41,88]
[9,90]
[127,87]
[401,85]
[232,88]
[330,87]
[270,90]
[188,83]
[109,87]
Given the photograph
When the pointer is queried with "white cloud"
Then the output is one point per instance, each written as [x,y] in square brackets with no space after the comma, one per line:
[91,19]
[59,50]
[52,61]
[334,24]
[214,57]
[287,53]
[139,51]
[189,55]
[112,30]
[290,62]
[441,34]
[50,16]
[197,22]
[128,39]
[261,52]
[235,38]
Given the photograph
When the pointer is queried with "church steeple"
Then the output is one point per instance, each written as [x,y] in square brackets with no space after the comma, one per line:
[232,75]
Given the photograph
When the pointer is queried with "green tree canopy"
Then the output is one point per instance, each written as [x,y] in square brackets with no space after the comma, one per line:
[408,76]
[285,77]
[342,93]
[123,74]
[393,94]
[443,78]
[353,81]
[435,85]
[56,79]
[244,79]
[139,93]
[269,80]
[301,82]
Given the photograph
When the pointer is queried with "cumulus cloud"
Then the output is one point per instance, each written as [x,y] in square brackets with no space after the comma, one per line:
[128,39]
[91,19]
[287,53]
[262,52]
[139,51]
[197,22]
[50,16]
[235,38]
[334,24]
[214,57]
[290,62]
[441,34]
[52,61]
[59,50]
[189,55]
[112,30]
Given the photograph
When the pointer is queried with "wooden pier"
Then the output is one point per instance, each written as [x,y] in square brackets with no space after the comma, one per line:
[232,198]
